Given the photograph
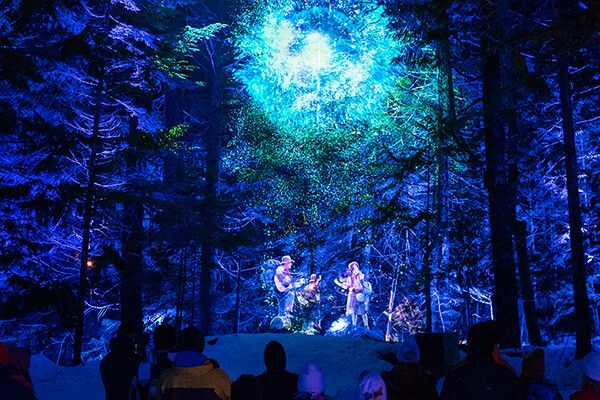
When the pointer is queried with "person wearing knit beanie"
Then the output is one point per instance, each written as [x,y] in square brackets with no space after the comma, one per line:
[310,384]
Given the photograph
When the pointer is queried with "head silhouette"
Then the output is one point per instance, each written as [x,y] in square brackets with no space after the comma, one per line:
[483,338]
[274,356]
[191,339]
[165,337]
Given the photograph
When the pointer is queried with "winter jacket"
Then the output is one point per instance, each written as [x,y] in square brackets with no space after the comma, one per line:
[539,390]
[478,379]
[118,368]
[409,382]
[194,377]
[586,393]
[278,385]
[246,388]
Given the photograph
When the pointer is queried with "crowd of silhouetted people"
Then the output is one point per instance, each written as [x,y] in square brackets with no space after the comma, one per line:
[178,369]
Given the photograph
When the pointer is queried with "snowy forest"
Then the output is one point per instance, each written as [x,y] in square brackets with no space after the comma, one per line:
[160,157]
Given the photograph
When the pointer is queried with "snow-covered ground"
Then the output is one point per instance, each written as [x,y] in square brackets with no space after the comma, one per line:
[341,359]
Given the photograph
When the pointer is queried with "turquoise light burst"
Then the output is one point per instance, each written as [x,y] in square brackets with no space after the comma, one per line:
[317,65]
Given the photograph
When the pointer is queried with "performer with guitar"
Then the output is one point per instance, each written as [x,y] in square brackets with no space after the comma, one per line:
[285,286]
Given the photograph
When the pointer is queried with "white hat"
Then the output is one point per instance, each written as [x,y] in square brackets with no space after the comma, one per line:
[286,260]
[408,351]
[311,380]
[591,366]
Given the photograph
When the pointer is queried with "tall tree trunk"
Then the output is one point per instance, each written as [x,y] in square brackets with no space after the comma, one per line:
[583,332]
[427,260]
[519,228]
[181,284]
[238,290]
[88,209]
[213,160]
[214,135]
[527,293]
[446,130]
[446,126]
[131,270]
[495,61]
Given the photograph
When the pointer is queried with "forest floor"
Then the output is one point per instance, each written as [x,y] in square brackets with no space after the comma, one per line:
[340,359]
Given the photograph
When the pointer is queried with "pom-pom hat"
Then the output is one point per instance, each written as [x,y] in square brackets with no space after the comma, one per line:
[311,381]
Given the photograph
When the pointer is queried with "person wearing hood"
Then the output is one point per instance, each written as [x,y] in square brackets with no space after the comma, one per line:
[408,380]
[276,383]
[120,365]
[194,375]
[480,376]
[591,385]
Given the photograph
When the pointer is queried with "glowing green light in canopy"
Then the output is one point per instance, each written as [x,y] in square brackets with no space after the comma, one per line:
[316,54]
[310,66]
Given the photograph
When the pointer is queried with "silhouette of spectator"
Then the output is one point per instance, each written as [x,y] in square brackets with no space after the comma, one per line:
[591,385]
[120,365]
[532,383]
[246,387]
[496,334]
[480,376]
[12,385]
[408,380]
[276,383]
[165,339]
[371,386]
[310,384]
[194,375]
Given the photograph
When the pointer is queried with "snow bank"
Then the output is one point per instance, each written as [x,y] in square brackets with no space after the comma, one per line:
[340,359]
[53,382]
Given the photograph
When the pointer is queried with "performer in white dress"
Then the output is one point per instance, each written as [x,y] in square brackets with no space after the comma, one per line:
[356,300]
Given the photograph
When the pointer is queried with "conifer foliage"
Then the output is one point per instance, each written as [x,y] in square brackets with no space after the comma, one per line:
[160,157]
